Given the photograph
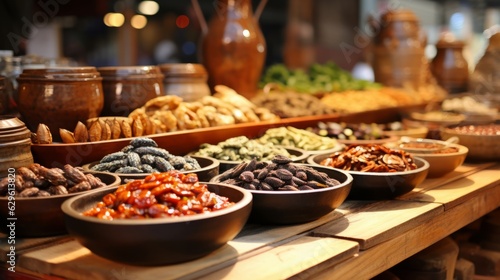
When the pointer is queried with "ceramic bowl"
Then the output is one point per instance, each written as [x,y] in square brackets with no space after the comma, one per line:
[293,207]
[443,157]
[381,185]
[300,156]
[482,147]
[157,241]
[209,169]
[42,216]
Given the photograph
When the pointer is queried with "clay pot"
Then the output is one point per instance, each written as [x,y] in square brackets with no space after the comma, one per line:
[187,80]
[398,52]
[15,145]
[449,66]
[127,88]
[59,97]
[233,48]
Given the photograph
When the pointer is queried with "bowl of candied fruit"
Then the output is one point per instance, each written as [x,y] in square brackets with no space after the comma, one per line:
[286,192]
[164,218]
[31,196]
[443,156]
[379,172]
[481,139]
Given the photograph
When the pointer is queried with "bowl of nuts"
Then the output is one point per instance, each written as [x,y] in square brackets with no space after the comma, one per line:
[235,150]
[143,156]
[165,218]
[33,196]
[285,192]
[379,172]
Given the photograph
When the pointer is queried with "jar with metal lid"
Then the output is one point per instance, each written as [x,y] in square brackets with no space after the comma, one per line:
[449,66]
[127,88]
[59,97]
[187,80]
[398,51]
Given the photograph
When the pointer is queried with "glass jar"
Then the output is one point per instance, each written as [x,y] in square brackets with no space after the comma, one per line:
[59,97]
[449,66]
[187,80]
[127,88]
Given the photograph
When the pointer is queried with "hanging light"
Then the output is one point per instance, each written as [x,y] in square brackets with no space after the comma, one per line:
[148,8]
[138,21]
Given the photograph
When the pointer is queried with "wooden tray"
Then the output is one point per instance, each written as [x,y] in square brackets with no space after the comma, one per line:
[184,142]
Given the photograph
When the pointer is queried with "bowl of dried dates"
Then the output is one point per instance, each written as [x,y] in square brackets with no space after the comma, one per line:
[143,156]
[165,218]
[379,172]
[31,196]
[285,192]
[443,156]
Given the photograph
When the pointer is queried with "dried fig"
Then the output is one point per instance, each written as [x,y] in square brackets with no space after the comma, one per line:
[95,131]
[81,132]
[66,136]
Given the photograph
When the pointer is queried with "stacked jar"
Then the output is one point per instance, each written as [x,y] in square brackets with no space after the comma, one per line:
[127,88]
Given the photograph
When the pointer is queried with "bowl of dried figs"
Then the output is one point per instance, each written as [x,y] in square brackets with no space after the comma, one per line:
[165,218]
[285,192]
[31,196]
[379,172]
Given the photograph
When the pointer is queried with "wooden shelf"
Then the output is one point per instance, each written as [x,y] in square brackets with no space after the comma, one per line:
[358,240]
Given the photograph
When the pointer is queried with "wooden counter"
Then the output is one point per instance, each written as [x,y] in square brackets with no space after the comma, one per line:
[357,241]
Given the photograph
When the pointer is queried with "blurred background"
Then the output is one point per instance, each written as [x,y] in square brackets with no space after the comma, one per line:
[298,33]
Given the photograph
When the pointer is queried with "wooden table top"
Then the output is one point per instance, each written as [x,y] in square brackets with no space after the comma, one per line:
[358,240]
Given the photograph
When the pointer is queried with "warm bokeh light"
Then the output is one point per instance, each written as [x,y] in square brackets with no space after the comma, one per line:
[148,8]
[114,19]
[182,21]
[138,21]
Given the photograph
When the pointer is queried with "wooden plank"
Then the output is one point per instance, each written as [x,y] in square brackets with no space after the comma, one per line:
[289,259]
[25,244]
[462,171]
[383,256]
[71,260]
[458,191]
[380,221]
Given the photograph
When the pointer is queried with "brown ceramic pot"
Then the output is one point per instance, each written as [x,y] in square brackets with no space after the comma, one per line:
[398,52]
[187,80]
[234,48]
[59,97]
[449,66]
[127,88]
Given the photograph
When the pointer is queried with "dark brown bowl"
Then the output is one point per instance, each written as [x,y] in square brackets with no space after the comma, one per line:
[294,207]
[209,169]
[381,185]
[157,241]
[42,216]
[300,156]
